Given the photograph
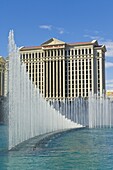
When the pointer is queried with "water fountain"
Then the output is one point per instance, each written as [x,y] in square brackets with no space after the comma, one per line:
[75,109]
[29,114]
[100,111]
[96,111]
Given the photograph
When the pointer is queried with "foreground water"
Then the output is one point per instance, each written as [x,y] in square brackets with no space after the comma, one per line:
[85,149]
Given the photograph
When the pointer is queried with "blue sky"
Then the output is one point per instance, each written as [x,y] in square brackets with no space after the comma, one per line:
[36,21]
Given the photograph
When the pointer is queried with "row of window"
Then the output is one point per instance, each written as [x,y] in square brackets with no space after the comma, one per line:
[82,68]
[74,72]
[58,52]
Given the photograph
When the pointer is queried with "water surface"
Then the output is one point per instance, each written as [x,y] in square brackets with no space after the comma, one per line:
[85,149]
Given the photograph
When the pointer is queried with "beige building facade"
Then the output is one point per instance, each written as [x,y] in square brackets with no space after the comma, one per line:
[6,78]
[66,70]
[2,75]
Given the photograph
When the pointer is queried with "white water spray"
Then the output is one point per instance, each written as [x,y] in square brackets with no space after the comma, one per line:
[29,114]
[100,111]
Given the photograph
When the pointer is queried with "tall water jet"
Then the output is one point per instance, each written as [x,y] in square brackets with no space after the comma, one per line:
[29,114]
[96,111]
[75,109]
[100,111]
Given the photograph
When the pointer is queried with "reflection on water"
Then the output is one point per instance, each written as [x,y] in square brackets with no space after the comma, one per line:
[76,150]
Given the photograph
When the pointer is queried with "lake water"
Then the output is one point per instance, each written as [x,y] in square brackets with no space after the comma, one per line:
[84,149]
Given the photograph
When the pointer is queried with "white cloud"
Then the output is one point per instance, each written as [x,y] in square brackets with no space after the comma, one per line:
[95,35]
[48,27]
[96,32]
[108,64]
[60,30]
[53,28]
[109,46]
[109,84]
[109,81]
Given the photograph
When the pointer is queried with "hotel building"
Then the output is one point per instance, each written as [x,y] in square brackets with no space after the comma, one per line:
[2,75]
[66,70]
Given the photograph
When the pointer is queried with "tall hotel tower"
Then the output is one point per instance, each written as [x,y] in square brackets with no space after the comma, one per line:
[66,70]
[2,75]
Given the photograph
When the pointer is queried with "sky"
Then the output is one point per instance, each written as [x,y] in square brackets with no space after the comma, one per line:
[36,21]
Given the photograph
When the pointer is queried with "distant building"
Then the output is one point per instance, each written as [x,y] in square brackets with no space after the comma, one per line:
[66,70]
[6,78]
[109,93]
[2,75]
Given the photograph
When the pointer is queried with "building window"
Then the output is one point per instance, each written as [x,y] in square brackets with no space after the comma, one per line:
[89,50]
[55,53]
[26,56]
[58,52]
[45,53]
[48,53]
[86,51]
[79,51]
[97,54]
[39,55]
[62,52]
[29,56]
[82,51]
[36,55]
[75,52]
[51,52]
[23,56]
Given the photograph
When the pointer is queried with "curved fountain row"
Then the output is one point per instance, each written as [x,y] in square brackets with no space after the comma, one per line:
[100,111]
[29,114]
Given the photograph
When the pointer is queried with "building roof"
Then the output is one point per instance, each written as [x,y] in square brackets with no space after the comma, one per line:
[30,48]
[55,42]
